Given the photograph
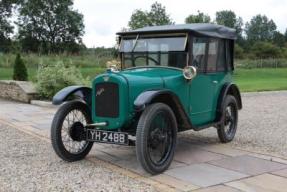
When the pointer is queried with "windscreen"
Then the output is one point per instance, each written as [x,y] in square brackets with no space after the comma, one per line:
[165,50]
[161,44]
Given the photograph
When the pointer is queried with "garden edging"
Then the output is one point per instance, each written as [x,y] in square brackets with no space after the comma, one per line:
[42,103]
[23,91]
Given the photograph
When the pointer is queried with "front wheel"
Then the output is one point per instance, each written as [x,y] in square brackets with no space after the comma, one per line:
[227,128]
[67,131]
[156,138]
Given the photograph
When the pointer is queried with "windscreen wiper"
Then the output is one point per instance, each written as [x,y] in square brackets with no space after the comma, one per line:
[135,43]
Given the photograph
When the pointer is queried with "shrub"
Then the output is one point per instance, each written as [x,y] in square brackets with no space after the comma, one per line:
[52,78]
[284,52]
[20,70]
[239,52]
[266,50]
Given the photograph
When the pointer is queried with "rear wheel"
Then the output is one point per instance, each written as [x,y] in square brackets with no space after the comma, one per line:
[67,131]
[227,129]
[156,138]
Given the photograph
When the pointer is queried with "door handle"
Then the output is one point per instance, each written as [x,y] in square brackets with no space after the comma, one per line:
[215,82]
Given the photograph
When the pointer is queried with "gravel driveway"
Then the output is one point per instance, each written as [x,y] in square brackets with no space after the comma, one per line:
[26,164]
[262,124]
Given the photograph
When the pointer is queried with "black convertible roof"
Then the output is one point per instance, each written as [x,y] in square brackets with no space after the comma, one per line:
[206,29]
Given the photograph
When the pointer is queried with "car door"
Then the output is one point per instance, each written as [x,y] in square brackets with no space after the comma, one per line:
[223,66]
[203,87]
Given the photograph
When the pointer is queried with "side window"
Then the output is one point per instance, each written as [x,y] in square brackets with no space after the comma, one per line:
[228,50]
[212,55]
[221,62]
[198,52]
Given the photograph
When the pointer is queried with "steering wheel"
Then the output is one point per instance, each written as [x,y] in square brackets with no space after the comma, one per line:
[149,58]
[195,63]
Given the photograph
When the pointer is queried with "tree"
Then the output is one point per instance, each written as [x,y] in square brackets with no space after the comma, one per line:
[228,18]
[20,70]
[49,26]
[6,29]
[156,16]
[238,52]
[265,50]
[198,18]
[279,39]
[260,28]
[139,19]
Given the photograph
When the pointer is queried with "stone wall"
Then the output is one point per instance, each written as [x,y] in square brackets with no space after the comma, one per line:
[17,90]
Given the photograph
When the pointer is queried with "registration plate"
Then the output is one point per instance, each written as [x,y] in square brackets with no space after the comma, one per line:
[112,137]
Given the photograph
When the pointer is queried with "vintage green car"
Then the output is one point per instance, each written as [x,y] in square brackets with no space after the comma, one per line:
[172,78]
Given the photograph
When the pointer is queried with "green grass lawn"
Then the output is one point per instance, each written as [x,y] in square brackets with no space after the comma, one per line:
[7,73]
[266,79]
[91,72]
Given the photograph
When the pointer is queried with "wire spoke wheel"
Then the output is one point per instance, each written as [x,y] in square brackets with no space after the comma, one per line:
[68,131]
[72,132]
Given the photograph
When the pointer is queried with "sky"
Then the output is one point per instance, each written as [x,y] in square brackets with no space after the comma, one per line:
[103,18]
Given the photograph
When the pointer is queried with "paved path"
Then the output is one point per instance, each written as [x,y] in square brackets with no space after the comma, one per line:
[200,163]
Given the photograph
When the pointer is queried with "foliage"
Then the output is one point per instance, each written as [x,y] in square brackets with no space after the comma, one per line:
[49,26]
[52,78]
[5,13]
[261,63]
[260,28]
[92,58]
[20,70]
[52,30]
[238,52]
[139,19]
[5,43]
[265,50]
[258,79]
[284,51]
[228,18]
[279,39]
[87,72]
[156,16]
[7,73]
[6,29]
[198,18]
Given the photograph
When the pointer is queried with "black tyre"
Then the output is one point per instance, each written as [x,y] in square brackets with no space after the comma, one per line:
[67,131]
[227,129]
[156,138]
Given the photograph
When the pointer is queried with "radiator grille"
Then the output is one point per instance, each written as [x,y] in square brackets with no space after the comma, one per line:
[107,99]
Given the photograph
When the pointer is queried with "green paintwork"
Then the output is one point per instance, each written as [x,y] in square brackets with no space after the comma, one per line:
[204,93]
[113,123]
[198,96]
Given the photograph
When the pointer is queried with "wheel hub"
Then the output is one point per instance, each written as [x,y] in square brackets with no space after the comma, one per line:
[157,137]
[77,131]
